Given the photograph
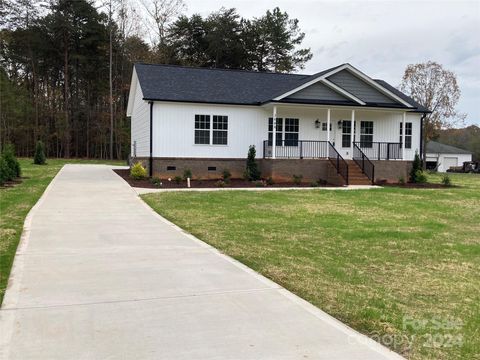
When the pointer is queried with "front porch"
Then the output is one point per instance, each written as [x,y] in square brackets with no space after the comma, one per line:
[350,138]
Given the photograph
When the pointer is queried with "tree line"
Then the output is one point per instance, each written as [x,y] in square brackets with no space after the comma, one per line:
[56,61]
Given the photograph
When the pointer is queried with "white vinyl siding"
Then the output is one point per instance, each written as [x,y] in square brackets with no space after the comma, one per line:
[140,125]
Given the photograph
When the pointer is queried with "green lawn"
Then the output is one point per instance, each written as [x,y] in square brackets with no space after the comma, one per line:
[16,201]
[401,265]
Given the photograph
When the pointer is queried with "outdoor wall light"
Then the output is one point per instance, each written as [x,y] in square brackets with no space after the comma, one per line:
[317,124]
[339,124]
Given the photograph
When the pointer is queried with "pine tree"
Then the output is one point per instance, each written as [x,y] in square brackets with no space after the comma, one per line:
[39,158]
[252,172]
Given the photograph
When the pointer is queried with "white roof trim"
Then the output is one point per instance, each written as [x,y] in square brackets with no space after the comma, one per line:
[342,91]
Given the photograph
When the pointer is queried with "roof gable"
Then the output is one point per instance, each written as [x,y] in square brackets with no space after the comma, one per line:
[354,85]
[318,91]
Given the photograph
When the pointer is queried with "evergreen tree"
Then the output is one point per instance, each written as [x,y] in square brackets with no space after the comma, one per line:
[252,172]
[39,158]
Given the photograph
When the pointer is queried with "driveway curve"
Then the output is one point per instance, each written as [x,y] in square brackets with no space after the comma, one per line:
[99,275]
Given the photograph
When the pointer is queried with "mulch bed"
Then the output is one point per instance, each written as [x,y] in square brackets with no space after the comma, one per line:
[234,183]
[417,186]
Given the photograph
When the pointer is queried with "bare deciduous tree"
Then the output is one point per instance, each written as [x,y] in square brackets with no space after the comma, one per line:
[162,13]
[437,89]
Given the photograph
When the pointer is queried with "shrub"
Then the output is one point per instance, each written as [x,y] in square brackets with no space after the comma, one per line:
[420,177]
[270,181]
[416,166]
[220,183]
[177,179]
[401,180]
[138,172]
[297,179]
[156,181]
[259,183]
[11,161]
[187,174]
[39,158]
[314,184]
[446,180]
[226,175]
[252,172]
[5,171]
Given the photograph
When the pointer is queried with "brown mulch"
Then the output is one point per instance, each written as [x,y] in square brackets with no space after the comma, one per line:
[417,186]
[233,183]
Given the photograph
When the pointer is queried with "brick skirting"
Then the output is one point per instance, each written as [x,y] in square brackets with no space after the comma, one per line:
[279,169]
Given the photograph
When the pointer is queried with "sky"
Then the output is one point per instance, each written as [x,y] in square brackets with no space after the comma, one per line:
[381,38]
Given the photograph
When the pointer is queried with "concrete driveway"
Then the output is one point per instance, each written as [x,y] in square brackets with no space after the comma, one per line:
[99,275]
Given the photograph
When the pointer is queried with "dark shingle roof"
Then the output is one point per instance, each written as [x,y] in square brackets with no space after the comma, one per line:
[438,148]
[220,86]
[402,96]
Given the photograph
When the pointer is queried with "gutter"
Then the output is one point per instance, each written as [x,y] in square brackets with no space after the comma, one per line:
[150,159]
[421,137]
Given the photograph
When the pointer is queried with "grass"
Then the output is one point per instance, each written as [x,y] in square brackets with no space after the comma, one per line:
[16,201]
[400,265]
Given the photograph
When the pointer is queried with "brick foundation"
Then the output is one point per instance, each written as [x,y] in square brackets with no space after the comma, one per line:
[280,170]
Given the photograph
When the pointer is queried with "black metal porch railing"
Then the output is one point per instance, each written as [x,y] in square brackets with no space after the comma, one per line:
[337,160]
[363,162]
[296,149]
[380,150]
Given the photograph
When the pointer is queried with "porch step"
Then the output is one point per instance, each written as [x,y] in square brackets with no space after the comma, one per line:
[355,174]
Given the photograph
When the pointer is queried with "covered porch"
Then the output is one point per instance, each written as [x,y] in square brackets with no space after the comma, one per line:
[315,132]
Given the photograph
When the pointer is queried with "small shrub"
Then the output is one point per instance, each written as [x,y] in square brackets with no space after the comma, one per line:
[39,158]
[220,183]
[156,181]
[270,181]
[416,166]
[226,175]
[314,184]
[297,179]
[187,174]
[138,172]
[8,155]
[420,177]
[446,180]
[401,180]
[252,173]
[5,172]
[177,179]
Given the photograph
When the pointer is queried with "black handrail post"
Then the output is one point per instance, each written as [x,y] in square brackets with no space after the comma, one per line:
[388,151]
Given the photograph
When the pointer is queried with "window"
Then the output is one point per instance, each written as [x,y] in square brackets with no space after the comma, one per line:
[220,130]
[202,129]
[408,135]
[211,129]
[366,134]
[279,131]
[324,126]
[346,133]
[291,132]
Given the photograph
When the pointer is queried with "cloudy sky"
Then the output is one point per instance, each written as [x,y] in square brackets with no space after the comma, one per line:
[382,37]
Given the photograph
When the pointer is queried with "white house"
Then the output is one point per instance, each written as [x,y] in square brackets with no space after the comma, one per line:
[338,125]
[442,157]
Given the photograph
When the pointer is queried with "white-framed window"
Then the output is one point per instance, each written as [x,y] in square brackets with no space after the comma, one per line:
[211,129]
[366,134]
[408,134]
[287,131]
[324,126]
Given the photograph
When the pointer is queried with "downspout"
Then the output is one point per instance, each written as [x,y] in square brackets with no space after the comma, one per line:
[421,138]
[150,159]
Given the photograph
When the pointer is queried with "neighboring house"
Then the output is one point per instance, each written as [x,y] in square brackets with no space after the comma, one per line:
[442,157]
[337,125]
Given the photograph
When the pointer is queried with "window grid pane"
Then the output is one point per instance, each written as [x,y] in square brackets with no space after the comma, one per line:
[202,129]
[220,130]
[408,134]
[279,131]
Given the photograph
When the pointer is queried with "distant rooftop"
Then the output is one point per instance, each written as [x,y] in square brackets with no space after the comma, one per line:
[434,147]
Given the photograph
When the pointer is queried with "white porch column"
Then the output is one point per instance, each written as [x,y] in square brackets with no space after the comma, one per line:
[352,134]
[274,132]
[403,134]
[328,124]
